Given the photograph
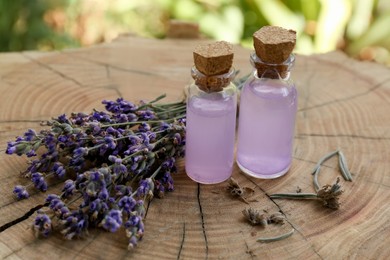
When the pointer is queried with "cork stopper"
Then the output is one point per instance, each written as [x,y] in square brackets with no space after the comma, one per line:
[212,62]
[273,46]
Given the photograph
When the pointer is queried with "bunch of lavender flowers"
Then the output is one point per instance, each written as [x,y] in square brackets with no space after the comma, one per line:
[111,162]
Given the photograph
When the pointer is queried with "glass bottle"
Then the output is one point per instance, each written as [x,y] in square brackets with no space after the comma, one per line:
[211,125]
[268,106]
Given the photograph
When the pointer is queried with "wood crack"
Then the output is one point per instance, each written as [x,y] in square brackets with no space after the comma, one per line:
[202,221]
[62,75]
[182,240]
[22,218]
[110,66]
[375,87]
[287,220]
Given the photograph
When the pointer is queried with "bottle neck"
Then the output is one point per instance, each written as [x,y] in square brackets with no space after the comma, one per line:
[272,71]
[213,83]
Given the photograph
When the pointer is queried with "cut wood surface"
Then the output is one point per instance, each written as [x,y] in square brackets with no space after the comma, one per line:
[343,104]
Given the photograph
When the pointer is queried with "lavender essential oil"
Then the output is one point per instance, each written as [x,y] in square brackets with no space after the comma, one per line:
[268,106]
[211,123]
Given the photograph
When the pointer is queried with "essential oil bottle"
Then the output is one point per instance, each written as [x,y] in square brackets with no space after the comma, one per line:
[268,106]
[211,114]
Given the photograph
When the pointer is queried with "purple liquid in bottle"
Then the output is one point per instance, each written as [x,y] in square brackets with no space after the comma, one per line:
[266,127]
[211,120]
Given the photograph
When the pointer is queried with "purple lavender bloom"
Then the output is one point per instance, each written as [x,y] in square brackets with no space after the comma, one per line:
[112,221]
[145,138]
[146,114]
[164,126]
[97,206]
[52,197]
[144,127]
[39,181]
[42,225]
[122,118]
[75,224]
[103,194]
[31,153]
[59,169]
[122,190]
[118,168]
[21,192]
[11,148]
[133,242]
[140,208]
[134,139]
[110,141]
[134,229]
[30,135]
[169,163]
[63,119]
[127,204]
[120,106]
[62,138]
[69,188]
[34,166]
[79,152]
[167,181]
[112,131]
[143,188]
[177,139]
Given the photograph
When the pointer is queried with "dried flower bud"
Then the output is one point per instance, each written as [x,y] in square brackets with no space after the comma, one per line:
[255,217]
[277,218]
[329,194]
[242,192]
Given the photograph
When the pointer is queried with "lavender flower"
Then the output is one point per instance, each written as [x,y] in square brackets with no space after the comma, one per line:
[21,192]
[127,204]
[113,220]
[134,230]
[68,189]
[42,225]
[79,152]
[75,224]
[114,160]
[59,170]
[39,181]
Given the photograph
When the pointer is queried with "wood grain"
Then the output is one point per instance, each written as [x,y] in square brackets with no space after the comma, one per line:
[343,104]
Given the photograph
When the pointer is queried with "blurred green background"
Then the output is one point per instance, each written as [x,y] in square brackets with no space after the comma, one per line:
[361,28]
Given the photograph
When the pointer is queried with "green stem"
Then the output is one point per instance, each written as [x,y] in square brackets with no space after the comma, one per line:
[169,104]
[344,167]
[324,159]
[153,101]
[315,179]
[148,122]
[180,109]
[277,238]
[293,196]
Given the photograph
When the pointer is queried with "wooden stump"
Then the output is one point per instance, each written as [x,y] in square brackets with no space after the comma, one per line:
[343,104]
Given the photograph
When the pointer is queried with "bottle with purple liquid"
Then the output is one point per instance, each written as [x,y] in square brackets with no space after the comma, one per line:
[268,106]
[211,115]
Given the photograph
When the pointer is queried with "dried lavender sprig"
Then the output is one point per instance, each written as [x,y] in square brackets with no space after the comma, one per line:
[344,167]
[324,159]
[342,164]
[293,196]
[276,238]
[328,195]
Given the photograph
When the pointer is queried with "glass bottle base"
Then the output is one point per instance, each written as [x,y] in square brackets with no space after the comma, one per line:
[208,181]
[263,176]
